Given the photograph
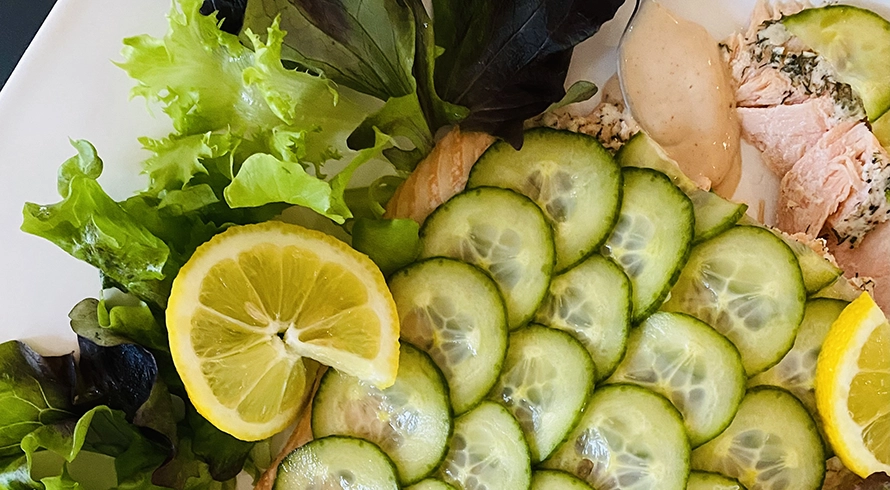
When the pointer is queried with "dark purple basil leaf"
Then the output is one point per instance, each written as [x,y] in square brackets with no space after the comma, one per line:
[506,60]
[230,11]
[120,376]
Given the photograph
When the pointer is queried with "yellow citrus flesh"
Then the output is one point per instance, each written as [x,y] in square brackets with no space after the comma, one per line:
[256,306]
[853,387]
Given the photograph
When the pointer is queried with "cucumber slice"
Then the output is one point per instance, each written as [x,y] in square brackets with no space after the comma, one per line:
[487,451]
[430,484]
[574,180]
[841,289]
[796,372]
[628,438]
[333,462]
[454,312]
[856,42]
[591,301]
[771,443]
[546,380]
[410,421]
[503,233]
[703,480]
[713,214]
[881,130]
[818,272]
[652,238]
[745,283]
[690,364]
[556,480]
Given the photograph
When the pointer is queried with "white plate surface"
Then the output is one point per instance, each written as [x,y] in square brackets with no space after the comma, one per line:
[66,86]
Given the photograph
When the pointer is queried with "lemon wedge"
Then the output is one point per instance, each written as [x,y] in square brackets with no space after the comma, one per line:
[853,387]
[253,308]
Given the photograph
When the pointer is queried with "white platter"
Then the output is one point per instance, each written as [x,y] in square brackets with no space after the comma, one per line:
[66,86]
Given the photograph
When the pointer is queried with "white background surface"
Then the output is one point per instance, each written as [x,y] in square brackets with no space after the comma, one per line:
[66,86]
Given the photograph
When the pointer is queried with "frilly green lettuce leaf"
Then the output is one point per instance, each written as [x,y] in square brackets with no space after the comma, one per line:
[264,178]
[249,132]
[91,226]
[176,160]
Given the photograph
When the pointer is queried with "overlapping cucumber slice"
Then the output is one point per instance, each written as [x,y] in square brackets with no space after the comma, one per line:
[570,176]
[410,421]
[689,363]
[628,438]
[771,443]
[591,301]
[556,480]
[652,237]
[503,233]
[454,312]
[546,380]
[487,450]
[713,214]
[703,480]
[796,372]
[747,284]
[430,484]
[336,462]
[817,271]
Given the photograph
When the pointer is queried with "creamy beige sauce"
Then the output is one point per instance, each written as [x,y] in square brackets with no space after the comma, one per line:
[679,91]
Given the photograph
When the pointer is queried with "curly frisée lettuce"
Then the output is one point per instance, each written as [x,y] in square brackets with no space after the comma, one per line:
[238,110]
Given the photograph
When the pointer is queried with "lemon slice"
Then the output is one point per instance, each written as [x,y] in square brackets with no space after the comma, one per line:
[853,387]
[254,302]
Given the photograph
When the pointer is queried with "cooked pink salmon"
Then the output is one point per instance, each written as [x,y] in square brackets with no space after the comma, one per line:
[839,181]
[784,132]
[808,125]
[870,258]
[439,176]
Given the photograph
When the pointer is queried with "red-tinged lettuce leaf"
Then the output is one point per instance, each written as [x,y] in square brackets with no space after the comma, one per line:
[367,46]
[120,376]
[34,391]
[506,60]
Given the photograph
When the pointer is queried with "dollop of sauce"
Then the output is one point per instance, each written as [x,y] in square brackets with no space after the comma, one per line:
[678,89]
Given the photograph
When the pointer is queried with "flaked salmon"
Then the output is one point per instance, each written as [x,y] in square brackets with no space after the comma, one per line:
[784,133]
[840,181]
[810,129]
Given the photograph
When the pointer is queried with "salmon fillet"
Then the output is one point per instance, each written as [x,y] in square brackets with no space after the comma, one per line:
[783,133]
[839,181]
[870,258]
[810,128]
